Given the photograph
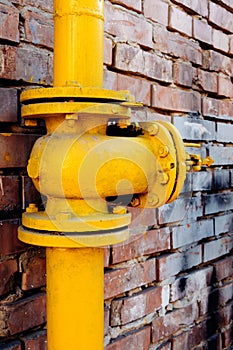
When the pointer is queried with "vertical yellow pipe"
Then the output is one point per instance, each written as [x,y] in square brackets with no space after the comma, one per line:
[75,299]
[78,42]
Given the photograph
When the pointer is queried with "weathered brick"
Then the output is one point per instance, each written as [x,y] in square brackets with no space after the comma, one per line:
[231,44]
[217,248]
[8,105]
[208,81]
[39,28]
[15,149]
[171,264]
[29,193]
[141,244]
[215,203]
[227,338]
[195,129]
[156,11]
[163,327]
[125,310]
[191,284]
[180,20]
[175,99]
[223,224]
[191,338]
[218,62]
[123,279]
[9,193]
[225,86]
[131,4]
[106,320]
[141,219]
[139,88]
[108,46]
[7,270]
[202,31]
[35,341]
[176,45]
[133,341]
[46,5]
[7,62]
[193,232]
[9,242]
[220,16]
[210,107]
[225,109]
[12,315]
[221,155]
[38,62]
[200,7]
[132,59]
[223,268]
[33,270]
[9,22]
[183,209]
[15,345]
[183,73]
[127,26]
[220,40]
[201,181]
[221,179]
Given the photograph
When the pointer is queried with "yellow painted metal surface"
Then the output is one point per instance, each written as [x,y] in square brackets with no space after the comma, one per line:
[75,293]
[78,43]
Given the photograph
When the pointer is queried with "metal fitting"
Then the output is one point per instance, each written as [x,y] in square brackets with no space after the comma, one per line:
[32,208]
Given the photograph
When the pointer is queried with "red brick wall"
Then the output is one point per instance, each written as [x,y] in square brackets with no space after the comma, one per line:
[170,286]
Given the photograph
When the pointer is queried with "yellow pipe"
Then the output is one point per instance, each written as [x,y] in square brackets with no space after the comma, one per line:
[75,317]
[75,276]
[78,42]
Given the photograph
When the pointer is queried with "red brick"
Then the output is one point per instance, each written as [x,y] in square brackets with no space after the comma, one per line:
[8,105]
[133,59]
[127,27]
[35,341]
[207,80]
[191,338]
[22,315]
[169,324]
[107,253]
[108,46]
[180,21]
[225,86]
[141,244]
[9,193]
[221,17]
[227,338]
[15,345]
[216,61]
[39,63]
[225,109]
[33,270]
[200,7]
[7,270]
[174,99]
[39,28]
[202,31]
[156,11]
[131,4]
[29,193]
[210,107]
[46,5]
[9,23]
[231,44]
[9,242]
[141,219]
[133,341]
[171,264]
[139,88]
[183,73]
[220,40]
[121,280]
[7,62]
[15,149]
[223,268]
[176,45]
[126,310]
[106,320]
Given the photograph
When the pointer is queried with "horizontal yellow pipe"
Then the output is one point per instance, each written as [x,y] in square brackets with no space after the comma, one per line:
[75,294]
